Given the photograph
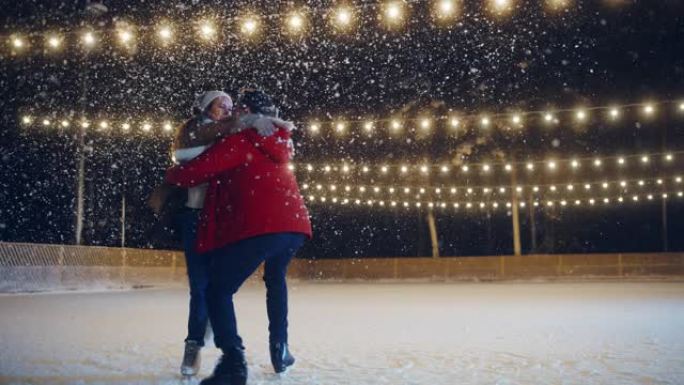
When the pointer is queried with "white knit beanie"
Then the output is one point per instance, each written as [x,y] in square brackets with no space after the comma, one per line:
[204,100]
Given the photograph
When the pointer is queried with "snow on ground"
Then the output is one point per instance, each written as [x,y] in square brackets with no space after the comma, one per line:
[365,333]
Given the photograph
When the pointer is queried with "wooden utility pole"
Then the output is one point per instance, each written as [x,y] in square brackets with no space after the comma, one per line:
[433,233]
[515,209]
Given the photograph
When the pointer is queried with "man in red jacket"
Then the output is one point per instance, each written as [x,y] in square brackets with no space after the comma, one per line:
[253,213]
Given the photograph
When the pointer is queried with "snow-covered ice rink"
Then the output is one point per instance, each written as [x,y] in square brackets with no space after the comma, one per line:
[364,333]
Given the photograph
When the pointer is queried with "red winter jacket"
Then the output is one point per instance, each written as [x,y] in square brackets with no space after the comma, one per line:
[251,190]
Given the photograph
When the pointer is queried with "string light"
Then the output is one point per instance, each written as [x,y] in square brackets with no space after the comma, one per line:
[165,33]
[54,42]
[146,127]
[581,115]
[394,12]
[343,17]
[556,5]
[207,30]
[614,113]
[89,39]
[296,22]
[125,37]
[500,7]
[65,123]
[18,42]
[649,109]
[104,124]
[589,201]
[445,9]
[548,117]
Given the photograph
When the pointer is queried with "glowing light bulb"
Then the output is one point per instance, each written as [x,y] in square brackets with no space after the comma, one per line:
[465,168]
[574,164]
[614,113]
[26,119]
[621,161]
[384,169]
[125,37]
[570,187]
[85,124]
[296,23]
[89,39]
[17,42]
[548,117]
[486,167]
[404,169]
[343,17]
[368,126]
[669,157]
[445,169]
[165,33]
[339,127]
[516,119]
[395,124]
[393,12]
[54,42]
[46,122]
[454,122]
[424,169]
[207,30]
[168,127]
[581,115]
[314,128]
[530,166]
[508,167]
[500,6]
[104,124]
[644,159]
[649,109]
[425,124]
[598,162]
[552,165]
[446,8]
[147,127]
[485,122]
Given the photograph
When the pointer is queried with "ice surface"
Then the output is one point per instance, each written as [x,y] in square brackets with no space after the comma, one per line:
[365,333]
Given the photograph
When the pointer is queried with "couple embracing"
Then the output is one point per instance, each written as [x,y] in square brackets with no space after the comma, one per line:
[243,208]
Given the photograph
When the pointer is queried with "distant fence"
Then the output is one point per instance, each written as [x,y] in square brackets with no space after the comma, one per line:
[37,267]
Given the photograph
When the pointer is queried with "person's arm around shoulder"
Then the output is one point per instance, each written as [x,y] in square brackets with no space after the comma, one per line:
[229,152]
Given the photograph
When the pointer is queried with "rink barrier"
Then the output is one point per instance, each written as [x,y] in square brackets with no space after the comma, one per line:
[40,267]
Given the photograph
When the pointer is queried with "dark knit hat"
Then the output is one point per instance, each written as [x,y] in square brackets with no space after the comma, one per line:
[258,101]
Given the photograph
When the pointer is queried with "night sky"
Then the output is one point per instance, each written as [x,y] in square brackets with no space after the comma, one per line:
[596,53]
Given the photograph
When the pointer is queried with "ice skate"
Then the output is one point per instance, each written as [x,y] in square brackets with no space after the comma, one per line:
[231,369]
[281,358]
[192,359]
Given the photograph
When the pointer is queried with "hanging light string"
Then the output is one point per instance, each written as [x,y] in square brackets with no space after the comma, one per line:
[512,120]
[295,22]
[394,126]
[615,200]
[446,169]
[555,189]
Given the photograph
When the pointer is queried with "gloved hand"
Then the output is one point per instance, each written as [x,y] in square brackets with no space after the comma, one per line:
[264,126]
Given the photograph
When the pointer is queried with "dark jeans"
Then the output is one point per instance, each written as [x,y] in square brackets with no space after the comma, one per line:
[232,265]
[198,276]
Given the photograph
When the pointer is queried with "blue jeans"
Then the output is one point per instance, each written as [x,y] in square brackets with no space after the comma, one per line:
[198,276]
[232,265]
